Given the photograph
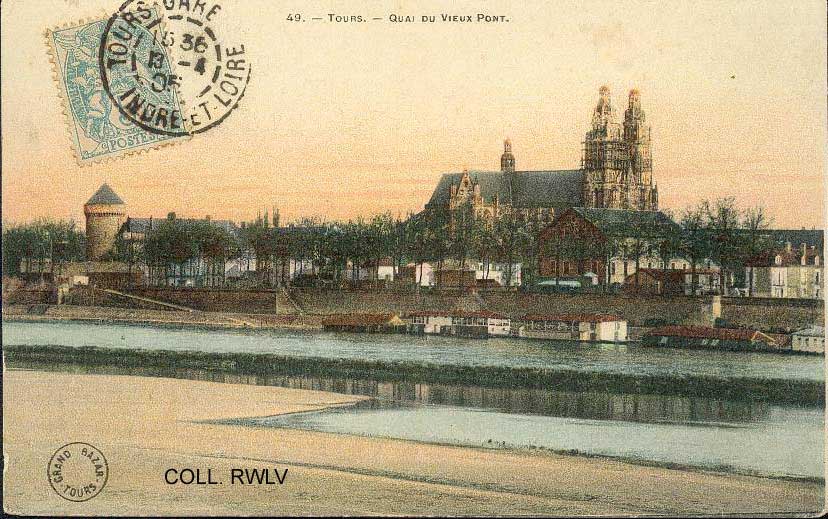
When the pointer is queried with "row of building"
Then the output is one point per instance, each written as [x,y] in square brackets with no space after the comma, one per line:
[583,327]
[611,197]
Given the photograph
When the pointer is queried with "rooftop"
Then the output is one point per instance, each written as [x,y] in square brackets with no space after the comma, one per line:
[105,196]
[361,319]
[458,313]
[813,331]
[705,332]
[559,189]
[628,222]
[587,318]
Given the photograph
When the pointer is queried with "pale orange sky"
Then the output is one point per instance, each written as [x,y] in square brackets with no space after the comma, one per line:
[348,119]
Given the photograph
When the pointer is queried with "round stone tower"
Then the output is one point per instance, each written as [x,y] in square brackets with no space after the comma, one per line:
[105,214]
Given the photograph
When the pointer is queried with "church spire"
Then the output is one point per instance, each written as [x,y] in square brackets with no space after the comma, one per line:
[507,160]
[604,117]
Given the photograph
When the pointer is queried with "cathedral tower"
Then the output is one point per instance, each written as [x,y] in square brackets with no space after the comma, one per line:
[507,160]
[618,165]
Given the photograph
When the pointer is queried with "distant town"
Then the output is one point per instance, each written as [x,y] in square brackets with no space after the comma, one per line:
[590,236]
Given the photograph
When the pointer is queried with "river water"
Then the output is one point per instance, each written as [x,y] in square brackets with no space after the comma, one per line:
[740,436]
[559,355]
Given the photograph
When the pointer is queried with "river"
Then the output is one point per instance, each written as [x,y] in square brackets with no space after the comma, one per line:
[514,353]
[740,436]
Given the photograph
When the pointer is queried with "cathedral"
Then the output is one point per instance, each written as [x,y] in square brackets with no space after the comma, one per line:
[616,173]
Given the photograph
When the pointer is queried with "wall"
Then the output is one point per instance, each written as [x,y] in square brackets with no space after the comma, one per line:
[29,297]
[638,310]
[214,299]
[772,314]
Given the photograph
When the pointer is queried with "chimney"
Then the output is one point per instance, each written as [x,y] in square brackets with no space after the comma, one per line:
[207,217]
[171,216]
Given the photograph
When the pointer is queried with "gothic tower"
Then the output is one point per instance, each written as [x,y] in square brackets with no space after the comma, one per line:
[603,156]
[507,160]
[637,137]
[618,165]
[507,167]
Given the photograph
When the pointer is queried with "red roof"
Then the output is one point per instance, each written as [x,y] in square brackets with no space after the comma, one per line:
[587,318]
[457,313]
[358,319]
[705,332]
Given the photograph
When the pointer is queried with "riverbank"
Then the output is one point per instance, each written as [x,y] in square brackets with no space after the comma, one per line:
[146,425]
[181,319]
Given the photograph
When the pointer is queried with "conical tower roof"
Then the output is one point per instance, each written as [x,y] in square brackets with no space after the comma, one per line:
[105,196]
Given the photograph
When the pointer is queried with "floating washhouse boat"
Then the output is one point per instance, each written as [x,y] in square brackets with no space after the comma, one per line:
[704,337]
[478,325]
[366,323]
[810,340]
[574,327]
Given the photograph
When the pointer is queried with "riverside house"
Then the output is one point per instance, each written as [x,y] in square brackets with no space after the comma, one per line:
[810,339]
[703,337]
[365,323]
[478,325]
[575,327]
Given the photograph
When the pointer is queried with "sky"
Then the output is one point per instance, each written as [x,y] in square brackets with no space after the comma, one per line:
[349,119]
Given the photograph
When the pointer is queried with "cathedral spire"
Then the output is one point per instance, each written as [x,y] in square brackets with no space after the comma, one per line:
[507,160]
[604,117]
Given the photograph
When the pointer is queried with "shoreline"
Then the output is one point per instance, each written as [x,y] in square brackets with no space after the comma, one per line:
[533,450]
[169,319]
[804,392]
[145,425]
[240,321]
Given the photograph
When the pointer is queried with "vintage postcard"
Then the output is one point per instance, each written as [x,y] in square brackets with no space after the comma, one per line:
[475,258]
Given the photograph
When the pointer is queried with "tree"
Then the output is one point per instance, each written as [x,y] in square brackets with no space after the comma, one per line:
[635,245]
[723,222]
[694,243]
[58,241]
[666,246]
[754,222]
[464,232]
[507,236]
[436,239]
[171,244]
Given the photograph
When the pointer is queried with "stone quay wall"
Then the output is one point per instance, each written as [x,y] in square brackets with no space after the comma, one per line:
[769,315]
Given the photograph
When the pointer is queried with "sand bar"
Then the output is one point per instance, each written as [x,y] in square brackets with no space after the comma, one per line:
[148,425]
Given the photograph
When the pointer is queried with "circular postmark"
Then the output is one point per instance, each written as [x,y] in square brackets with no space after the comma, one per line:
[169,67]
[78,471]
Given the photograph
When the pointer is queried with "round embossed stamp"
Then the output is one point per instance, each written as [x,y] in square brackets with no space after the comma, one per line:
[171,68]
[78,471]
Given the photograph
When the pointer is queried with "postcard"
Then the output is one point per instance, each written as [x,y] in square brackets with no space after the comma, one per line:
[413,258]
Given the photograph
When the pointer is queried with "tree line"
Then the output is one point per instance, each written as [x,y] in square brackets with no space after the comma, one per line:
[325,249]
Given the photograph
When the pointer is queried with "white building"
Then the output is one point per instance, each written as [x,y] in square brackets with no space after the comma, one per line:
[498,272]
[620,269]
[466,324]
[384,272]
[809,339]
[789,272]
[575,327]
